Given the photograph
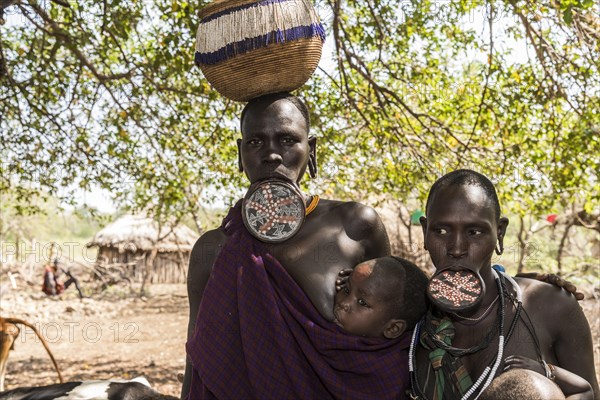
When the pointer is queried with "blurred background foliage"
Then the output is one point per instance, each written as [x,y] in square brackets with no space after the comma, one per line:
[105,95]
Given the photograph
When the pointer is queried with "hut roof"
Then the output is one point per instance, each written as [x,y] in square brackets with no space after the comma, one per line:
[135,232]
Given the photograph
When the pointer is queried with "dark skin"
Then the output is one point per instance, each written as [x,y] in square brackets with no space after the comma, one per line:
[523,384]
[363,307]
[461,228]
[573,386]
[336,235]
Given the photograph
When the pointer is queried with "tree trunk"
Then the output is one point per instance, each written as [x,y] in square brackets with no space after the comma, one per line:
[561,247]
[147,267]
[523,236]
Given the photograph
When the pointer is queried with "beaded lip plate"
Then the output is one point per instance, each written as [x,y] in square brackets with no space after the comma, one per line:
[274,211]
[456,291]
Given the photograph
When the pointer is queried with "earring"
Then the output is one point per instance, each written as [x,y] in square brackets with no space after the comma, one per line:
[312,167]
[499,249]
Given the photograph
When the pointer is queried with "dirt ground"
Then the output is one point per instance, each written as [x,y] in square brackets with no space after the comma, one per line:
[119,337]
[114,337]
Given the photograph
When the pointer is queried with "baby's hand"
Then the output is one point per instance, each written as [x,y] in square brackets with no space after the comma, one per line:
[513,362]
[342,279]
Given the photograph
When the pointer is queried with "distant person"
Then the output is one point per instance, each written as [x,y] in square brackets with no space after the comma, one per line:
[384,297]
[52,286]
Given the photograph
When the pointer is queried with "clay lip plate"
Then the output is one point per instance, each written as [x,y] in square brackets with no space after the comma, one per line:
[455,290]
[269,222]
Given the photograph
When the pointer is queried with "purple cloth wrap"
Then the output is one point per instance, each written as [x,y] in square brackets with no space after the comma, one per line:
[258,336]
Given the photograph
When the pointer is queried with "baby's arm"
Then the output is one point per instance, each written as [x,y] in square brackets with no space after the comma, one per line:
[553,279]
[572,385]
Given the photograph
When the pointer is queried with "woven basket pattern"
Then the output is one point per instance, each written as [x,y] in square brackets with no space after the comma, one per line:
[269,56]
[266,71]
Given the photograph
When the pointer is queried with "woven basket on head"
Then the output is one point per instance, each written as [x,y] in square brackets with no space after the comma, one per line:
[248,48]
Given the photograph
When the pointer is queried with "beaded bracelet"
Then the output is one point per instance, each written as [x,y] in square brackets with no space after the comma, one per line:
[549,370]
[552,372]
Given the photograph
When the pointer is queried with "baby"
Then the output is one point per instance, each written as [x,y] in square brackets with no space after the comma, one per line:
[386,297]
[519,384]
[383,297]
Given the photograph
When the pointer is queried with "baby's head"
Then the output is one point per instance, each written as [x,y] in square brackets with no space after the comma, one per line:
[518,384]
[383,298]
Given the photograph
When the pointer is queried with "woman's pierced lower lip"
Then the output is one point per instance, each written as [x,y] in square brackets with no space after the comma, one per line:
[455,268]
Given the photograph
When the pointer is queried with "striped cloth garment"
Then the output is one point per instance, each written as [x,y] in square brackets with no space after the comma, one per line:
[258,336]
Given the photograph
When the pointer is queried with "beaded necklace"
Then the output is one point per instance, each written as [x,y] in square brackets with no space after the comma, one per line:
[488,374]
[475,321]
[314,201]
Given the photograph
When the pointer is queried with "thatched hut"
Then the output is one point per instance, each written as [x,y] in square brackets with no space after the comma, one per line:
[135,244]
